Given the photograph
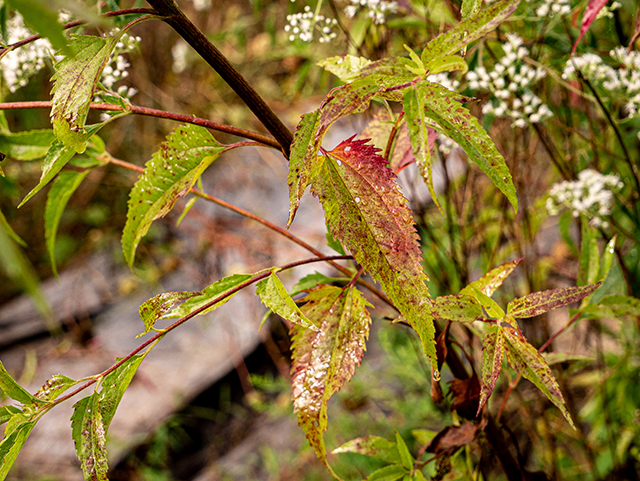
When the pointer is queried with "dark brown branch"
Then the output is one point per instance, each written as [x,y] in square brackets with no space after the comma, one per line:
[201,44]
[189,119]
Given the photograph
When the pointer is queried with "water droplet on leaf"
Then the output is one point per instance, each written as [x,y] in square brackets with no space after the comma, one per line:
[436,375]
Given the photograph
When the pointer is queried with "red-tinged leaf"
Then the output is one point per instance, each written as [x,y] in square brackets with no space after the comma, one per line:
[469,30]
[374,446]
[156,307]
[87,430]
[539,302]
[169,175]
[452,438]
[323,360]
[460,308]
[465,396]
[528,362]
[414,109]
[304,163]
[367,213]
[55,386]
[388,473]
[489,283]
[492,355]
[457,123]
[379,130]
[590,14]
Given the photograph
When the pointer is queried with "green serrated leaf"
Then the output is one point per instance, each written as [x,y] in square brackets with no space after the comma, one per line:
[469,30]
[74,86]
[416,65]
[113,387]
[374,446]
[346,68]
[275,296]
[43,18]
[539,302]
[414,109]
[528,362]
[419,476]
[88,432]
[208,294]
[14,390]
[366,211]
[169,175]
[11,446]
[305,164]
[54,386]
[61,190]
[26,146]
[457,123]
[388,473]
[493,309]
[492,280]
[403,450]
[156,307]
[622,306]
[4,224]
[7,412]
[424,436]
[492,355]
[57,157]
[460,308]
[324,360]
[447,64]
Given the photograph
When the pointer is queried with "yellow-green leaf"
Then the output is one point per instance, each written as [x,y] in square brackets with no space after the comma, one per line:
[88,433]
[169,175]
[447,64]
[275,296]
[540,302]
[489,283]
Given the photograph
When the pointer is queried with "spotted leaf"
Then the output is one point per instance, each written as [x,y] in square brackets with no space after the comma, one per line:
[169,175]
[528,362]
[156,307]
[87,430]
[324,359]
[540,302]
[489,283]
[368,214]
[492,356]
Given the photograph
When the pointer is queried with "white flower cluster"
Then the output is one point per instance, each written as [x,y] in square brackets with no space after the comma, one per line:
[591,195]
[623,82]
[201,5]
[20,64]
[553,7]
[510,82]
[302,25]
[377,10]
[116,68]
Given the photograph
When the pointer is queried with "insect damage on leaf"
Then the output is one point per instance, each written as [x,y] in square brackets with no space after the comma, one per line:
[366,211]
[324,359]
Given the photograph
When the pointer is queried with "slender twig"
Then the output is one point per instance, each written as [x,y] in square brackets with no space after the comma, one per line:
[189,119]
[77,23]
[175,18]
[191,315]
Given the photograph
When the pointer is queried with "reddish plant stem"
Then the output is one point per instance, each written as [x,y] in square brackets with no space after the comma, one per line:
[189,119]
[77,23]
[175,18]
[191,315]
[515,382]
